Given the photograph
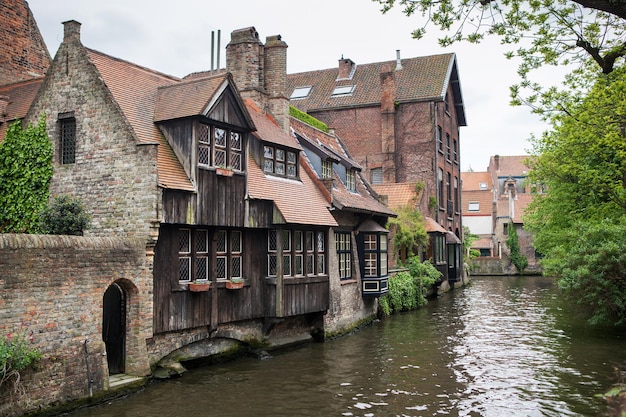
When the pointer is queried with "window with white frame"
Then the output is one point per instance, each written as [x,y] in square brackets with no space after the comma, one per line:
[300,92]
[473,206]
[375,258]
[351,180]
[280,161]
[219,147]
[343,243]
[327,169]
[303,253]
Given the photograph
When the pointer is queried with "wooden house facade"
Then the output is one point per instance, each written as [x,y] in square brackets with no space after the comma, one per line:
[246,238]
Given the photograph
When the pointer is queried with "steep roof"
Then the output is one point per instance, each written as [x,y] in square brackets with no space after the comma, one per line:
[17,97]
[473,181]
[514,165]
[420,79]
[134,89]
[399,194]
[360,201]
[298,201]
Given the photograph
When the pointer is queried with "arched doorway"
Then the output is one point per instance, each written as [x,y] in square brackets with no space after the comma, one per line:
[114,327]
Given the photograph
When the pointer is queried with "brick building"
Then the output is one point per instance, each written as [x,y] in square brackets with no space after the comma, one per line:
[401,122]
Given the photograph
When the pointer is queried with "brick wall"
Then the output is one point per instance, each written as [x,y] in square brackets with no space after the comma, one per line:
[113,174]
[54,286]
[23,54]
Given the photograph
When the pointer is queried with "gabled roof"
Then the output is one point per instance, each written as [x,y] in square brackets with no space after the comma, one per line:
[297,201]
[18,98]
[134,89]
[360,201]
[197,96]
[420,79]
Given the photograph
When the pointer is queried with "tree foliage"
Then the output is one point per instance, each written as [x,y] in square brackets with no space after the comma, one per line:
[65,215]
[410,230]
[539,32]
[579,223]
[512,241]
[25,173]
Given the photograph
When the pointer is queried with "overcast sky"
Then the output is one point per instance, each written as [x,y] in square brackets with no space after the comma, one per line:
[175,38]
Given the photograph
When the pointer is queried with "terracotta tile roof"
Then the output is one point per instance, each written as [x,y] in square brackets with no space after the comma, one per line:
[471,181]
[509,165]
[433,227]
[484,200]
[19,97]
[398,194]
[187,98]
[298,201]
[134,88]
[482,243]
[360,201]
[421,78]
[267,129]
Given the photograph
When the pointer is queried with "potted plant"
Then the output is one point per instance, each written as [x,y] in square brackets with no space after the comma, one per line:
[224,171]
[234,283]
[199,285]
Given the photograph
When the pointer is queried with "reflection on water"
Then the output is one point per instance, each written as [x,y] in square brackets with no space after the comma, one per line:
[504,346]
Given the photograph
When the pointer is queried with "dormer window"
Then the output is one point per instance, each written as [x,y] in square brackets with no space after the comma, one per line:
[351,180]
[219,147]
[280,161]
[327,169]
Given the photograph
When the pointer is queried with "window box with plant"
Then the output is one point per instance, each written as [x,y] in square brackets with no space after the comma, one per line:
[199,286]
[224,171]
[235,283]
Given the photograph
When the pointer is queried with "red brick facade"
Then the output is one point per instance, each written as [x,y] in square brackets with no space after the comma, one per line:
[23,53]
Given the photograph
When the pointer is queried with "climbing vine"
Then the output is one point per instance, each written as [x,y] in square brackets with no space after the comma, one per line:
[512,241]
[25,173]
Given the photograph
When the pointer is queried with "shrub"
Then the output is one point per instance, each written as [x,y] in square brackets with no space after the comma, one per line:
[16,354]
[407,290]
[65,216]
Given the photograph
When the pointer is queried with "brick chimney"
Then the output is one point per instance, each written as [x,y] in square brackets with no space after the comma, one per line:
[276,80]
[387,123]
[346,69]
[260,71]
[244,60]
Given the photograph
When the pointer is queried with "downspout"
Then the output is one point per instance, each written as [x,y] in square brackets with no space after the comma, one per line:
[436,167]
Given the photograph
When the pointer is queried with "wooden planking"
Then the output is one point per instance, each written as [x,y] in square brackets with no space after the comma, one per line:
[220,199]
[305,295]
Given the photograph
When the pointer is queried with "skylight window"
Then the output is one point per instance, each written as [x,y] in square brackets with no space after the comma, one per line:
[482,185]
[343,90]
[300,92]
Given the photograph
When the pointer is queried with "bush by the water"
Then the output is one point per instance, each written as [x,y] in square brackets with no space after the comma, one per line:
[407,290]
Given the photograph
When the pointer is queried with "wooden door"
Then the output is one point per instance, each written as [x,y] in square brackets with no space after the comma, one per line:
[114,327]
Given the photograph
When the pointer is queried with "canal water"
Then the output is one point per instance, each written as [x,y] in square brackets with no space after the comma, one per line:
[503,346]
